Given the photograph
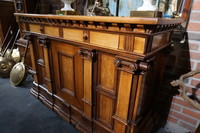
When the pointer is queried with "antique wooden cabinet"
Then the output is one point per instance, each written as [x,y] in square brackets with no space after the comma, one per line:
[101,74]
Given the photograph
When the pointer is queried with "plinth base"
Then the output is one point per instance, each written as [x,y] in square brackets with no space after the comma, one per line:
[151,14]
[66,12]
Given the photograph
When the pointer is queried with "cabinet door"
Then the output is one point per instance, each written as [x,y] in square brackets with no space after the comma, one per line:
[105,92]
[67,65]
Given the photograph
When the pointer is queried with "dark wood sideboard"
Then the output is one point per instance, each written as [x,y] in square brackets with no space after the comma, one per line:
[101,74]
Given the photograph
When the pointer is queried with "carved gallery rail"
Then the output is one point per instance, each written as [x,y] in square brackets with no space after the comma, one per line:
[101,74]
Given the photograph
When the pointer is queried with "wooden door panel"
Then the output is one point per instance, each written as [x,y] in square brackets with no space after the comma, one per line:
[68,73]
[66,66]
[106,72]
[105,109]
[106,89]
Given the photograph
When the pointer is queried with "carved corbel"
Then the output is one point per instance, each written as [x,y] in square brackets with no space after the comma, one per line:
[145,66]
[87,54]
[126,66]
[28,37]
[43,42]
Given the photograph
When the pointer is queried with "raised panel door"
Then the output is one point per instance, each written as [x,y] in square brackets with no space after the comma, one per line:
[67,64]
[105,91]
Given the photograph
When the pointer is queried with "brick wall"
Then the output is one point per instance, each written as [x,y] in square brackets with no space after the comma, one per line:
[182,113]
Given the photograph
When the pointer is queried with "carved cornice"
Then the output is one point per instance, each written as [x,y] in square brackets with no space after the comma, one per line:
[87,54]
[108,26]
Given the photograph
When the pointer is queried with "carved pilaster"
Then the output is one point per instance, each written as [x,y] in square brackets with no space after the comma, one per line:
[88,57]
[35,88]
[45,43]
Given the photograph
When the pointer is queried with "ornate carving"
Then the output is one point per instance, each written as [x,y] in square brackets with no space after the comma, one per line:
[87,54]
[125,65]
[132,66]
[144,66]
[43,42]
[122,27]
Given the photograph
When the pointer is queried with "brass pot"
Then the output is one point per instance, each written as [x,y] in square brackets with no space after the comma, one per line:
[16,55]
[6,65]
[6,61]
[18,74]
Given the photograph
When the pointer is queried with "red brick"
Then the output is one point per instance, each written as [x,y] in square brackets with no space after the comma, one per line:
[192,64]
[194,55]
[198,66]
[175,107]
[196,5]
[193,46]
[181,102]
[187,126]
[183,117]
[190,90]
[195,16]
[198,92]
[197,75]
[192,113]
[195,83]
[194,26]
[172,119]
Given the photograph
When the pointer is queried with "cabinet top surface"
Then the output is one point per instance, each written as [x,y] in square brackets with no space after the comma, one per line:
[129,20]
